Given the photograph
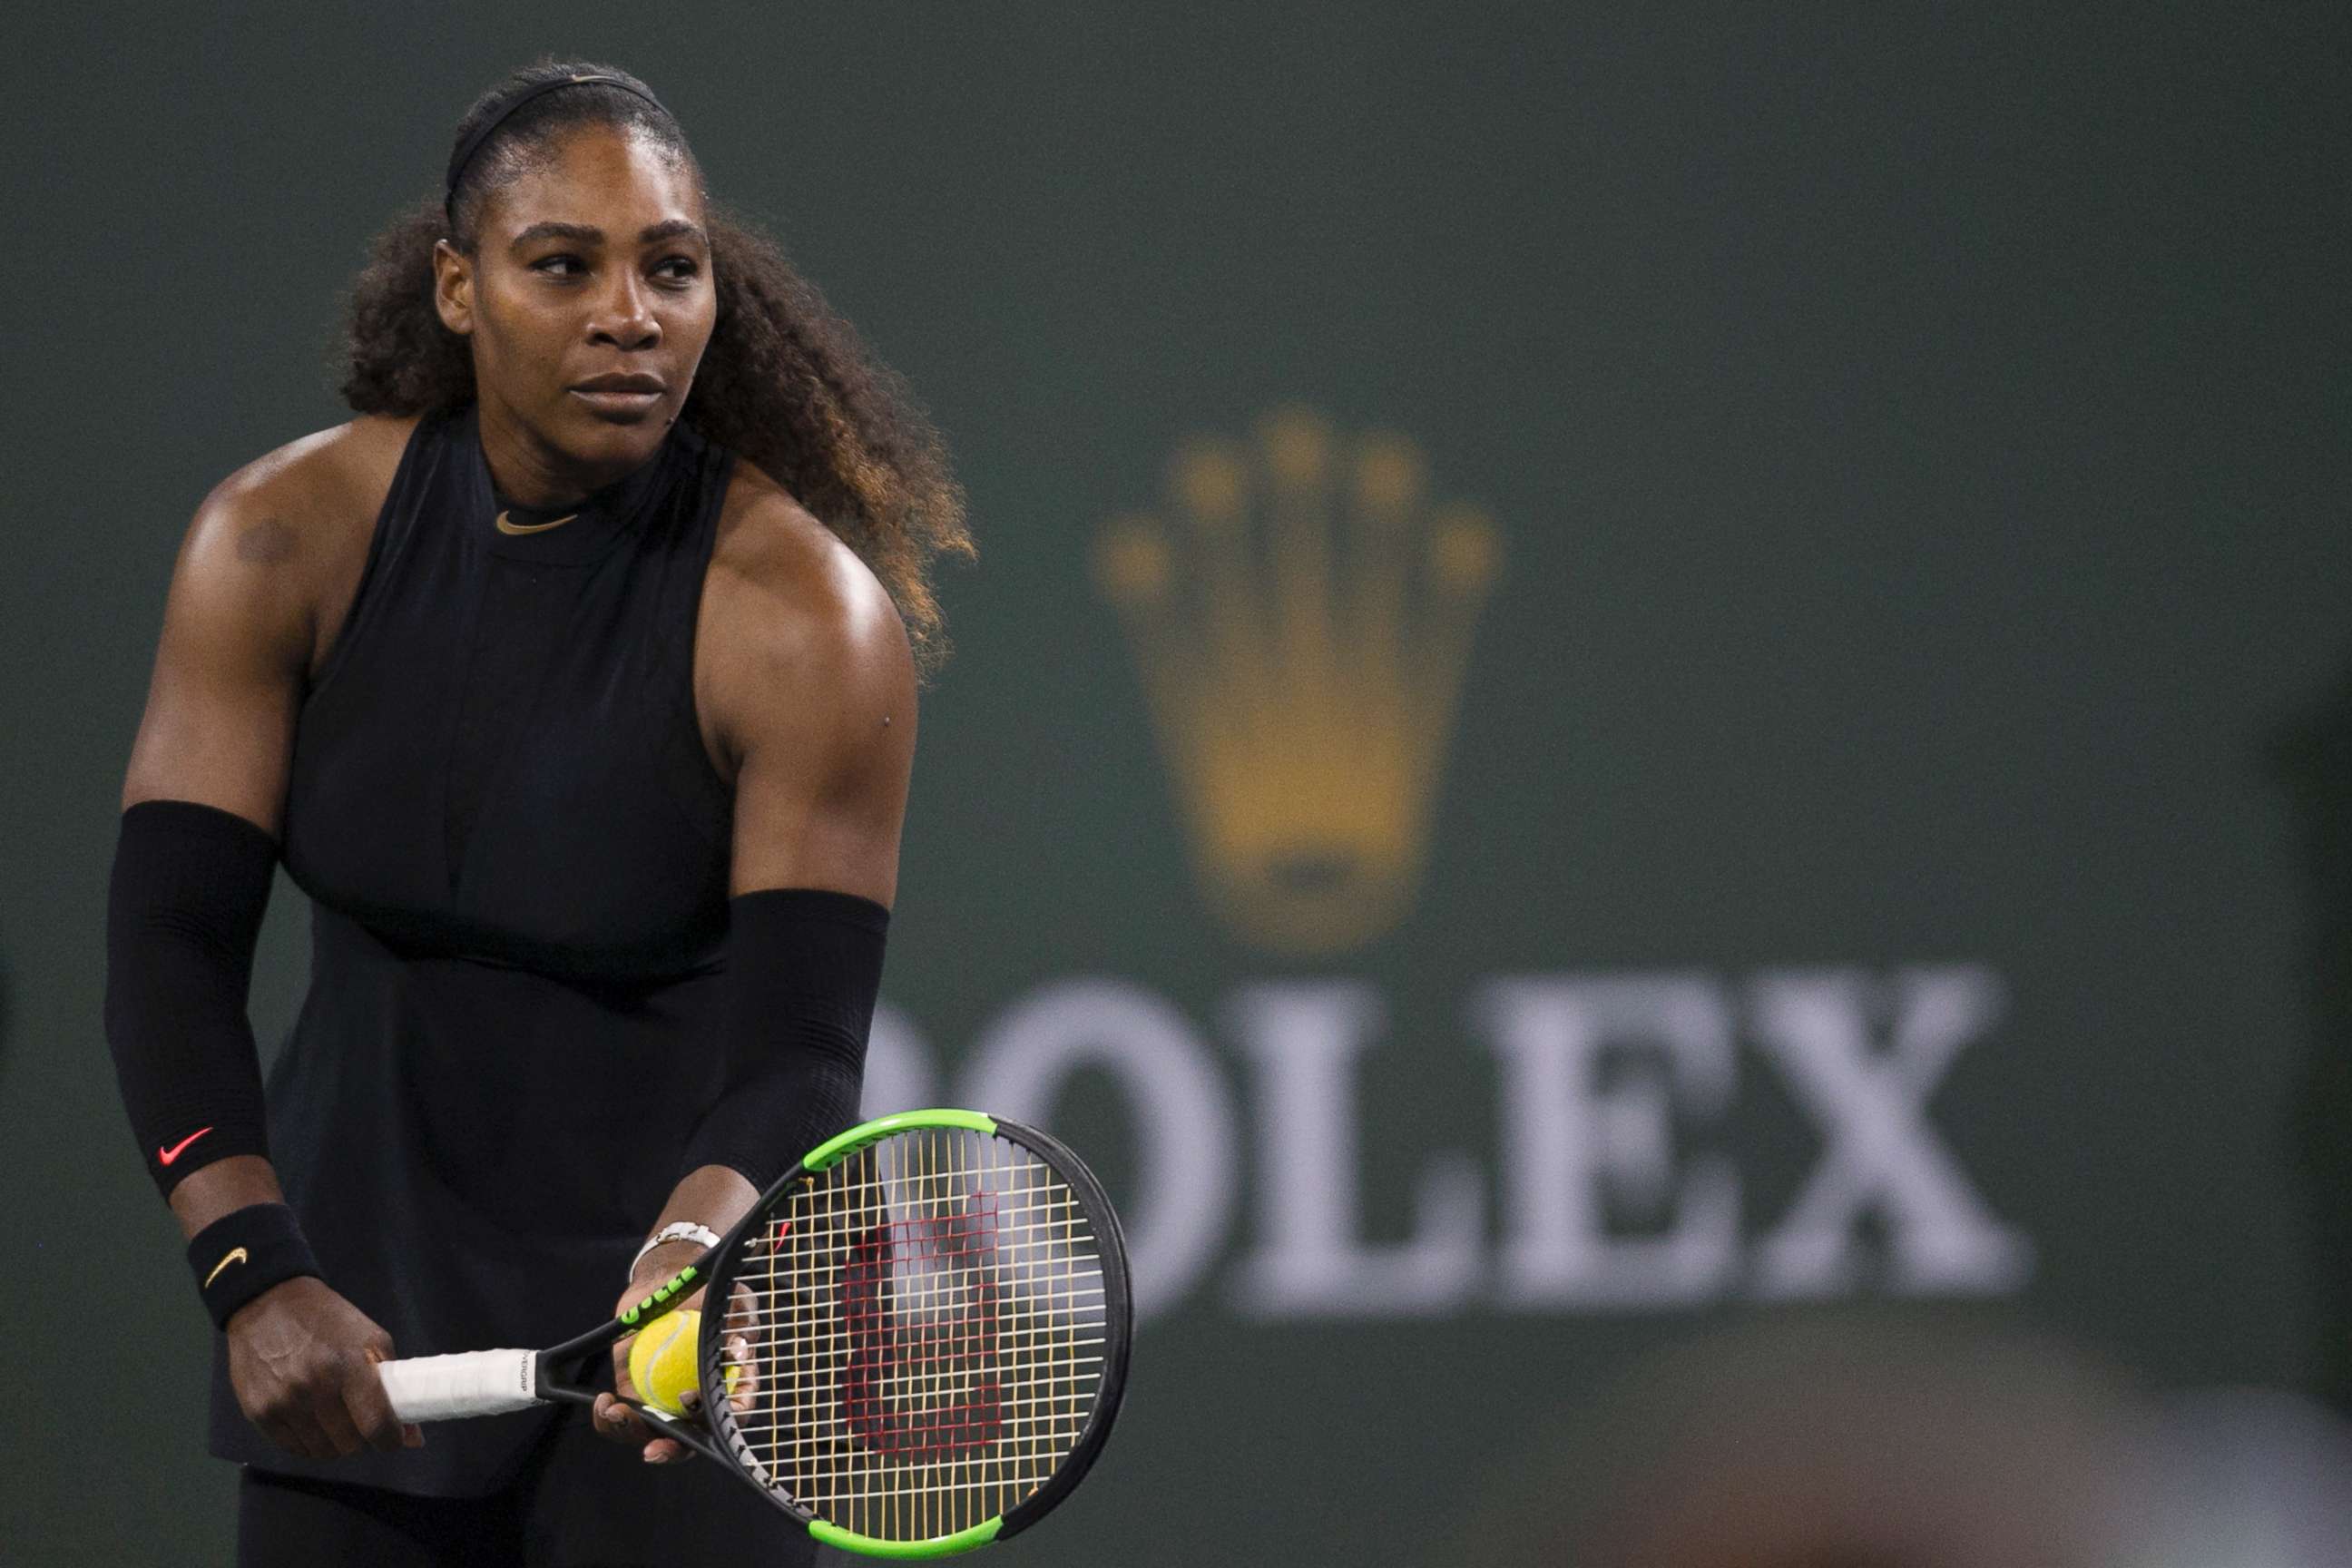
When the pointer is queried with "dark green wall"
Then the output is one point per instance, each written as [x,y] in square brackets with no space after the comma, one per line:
[1917,446]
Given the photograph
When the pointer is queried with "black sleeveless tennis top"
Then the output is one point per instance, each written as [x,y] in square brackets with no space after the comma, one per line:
[517,853]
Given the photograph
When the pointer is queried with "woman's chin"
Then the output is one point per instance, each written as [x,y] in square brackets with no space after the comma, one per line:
[605,444]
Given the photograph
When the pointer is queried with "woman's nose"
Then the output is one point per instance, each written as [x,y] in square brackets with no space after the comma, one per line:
[625,317]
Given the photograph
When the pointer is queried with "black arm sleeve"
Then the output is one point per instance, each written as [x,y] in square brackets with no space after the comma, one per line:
[184,909]
[803,967]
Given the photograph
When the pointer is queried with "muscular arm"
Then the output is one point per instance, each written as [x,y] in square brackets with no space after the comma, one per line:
[266,574]
[812,682]
[219,722]
[807,672]
[239,629]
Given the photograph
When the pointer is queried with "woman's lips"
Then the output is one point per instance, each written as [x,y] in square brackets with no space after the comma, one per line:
[617,404]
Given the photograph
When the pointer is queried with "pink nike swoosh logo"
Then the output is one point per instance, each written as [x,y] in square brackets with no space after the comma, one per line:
[176,1150]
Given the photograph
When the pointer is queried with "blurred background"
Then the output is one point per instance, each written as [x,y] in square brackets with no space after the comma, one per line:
[1654,737]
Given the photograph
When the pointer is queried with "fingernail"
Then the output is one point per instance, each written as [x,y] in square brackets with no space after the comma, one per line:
[653,1458]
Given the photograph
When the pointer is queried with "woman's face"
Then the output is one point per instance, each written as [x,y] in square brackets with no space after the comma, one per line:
[589,302]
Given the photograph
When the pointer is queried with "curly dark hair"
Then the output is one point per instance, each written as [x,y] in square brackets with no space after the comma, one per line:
[785,382]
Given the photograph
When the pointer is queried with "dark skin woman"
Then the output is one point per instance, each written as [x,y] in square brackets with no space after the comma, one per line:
[587,297]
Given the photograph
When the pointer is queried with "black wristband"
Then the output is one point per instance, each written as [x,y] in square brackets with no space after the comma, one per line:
[242,1254]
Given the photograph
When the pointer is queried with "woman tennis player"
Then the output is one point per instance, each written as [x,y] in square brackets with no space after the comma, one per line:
[574,681]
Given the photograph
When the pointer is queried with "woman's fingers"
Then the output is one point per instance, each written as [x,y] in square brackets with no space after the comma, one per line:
[370,1408]
[301,1438]
[745,1391]
[617,1422]
[614,1419]
[620,1424]
[335,1423]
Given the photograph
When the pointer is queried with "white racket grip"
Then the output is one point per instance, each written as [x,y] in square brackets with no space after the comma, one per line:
[478,1382]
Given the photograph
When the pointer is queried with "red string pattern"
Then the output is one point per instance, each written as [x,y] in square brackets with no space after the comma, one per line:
[945,1353]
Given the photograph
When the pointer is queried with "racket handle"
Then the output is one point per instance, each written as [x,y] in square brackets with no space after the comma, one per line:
[478,1382]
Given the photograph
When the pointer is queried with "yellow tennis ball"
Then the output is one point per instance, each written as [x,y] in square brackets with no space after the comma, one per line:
[661,1361]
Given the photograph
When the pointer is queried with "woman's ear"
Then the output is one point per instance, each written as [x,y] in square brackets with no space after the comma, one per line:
[453,288]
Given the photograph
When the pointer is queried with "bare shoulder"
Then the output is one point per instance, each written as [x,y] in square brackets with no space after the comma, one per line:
[309,491]
[789,612]
[790,585]
[287,532]
[266,572]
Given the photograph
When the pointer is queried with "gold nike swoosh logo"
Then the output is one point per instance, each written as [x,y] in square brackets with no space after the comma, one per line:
[237,1255]
[506,526]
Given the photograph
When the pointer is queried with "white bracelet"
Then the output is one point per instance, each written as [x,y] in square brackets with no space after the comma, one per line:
[676,1230]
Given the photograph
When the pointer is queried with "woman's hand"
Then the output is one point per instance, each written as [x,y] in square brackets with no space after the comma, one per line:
[302,1360]
[616,1420]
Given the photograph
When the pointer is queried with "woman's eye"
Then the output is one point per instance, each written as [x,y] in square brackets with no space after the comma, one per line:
[678,266]
[556,265]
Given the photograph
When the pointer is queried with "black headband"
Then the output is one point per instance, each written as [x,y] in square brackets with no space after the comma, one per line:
[473,145]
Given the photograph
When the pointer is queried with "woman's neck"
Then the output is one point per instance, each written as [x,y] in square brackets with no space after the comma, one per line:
[527,472]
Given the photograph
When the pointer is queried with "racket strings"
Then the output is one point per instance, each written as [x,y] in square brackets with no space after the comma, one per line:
[919,1334]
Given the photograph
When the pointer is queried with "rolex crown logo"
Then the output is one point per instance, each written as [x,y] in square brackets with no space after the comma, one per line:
[1302,621]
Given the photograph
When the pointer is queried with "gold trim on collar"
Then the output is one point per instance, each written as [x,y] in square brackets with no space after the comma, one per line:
[522,528]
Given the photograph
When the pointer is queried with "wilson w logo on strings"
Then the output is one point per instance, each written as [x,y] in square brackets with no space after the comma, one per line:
[919,1312]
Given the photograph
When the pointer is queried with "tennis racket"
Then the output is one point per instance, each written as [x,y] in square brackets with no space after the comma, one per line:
[915,1342]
